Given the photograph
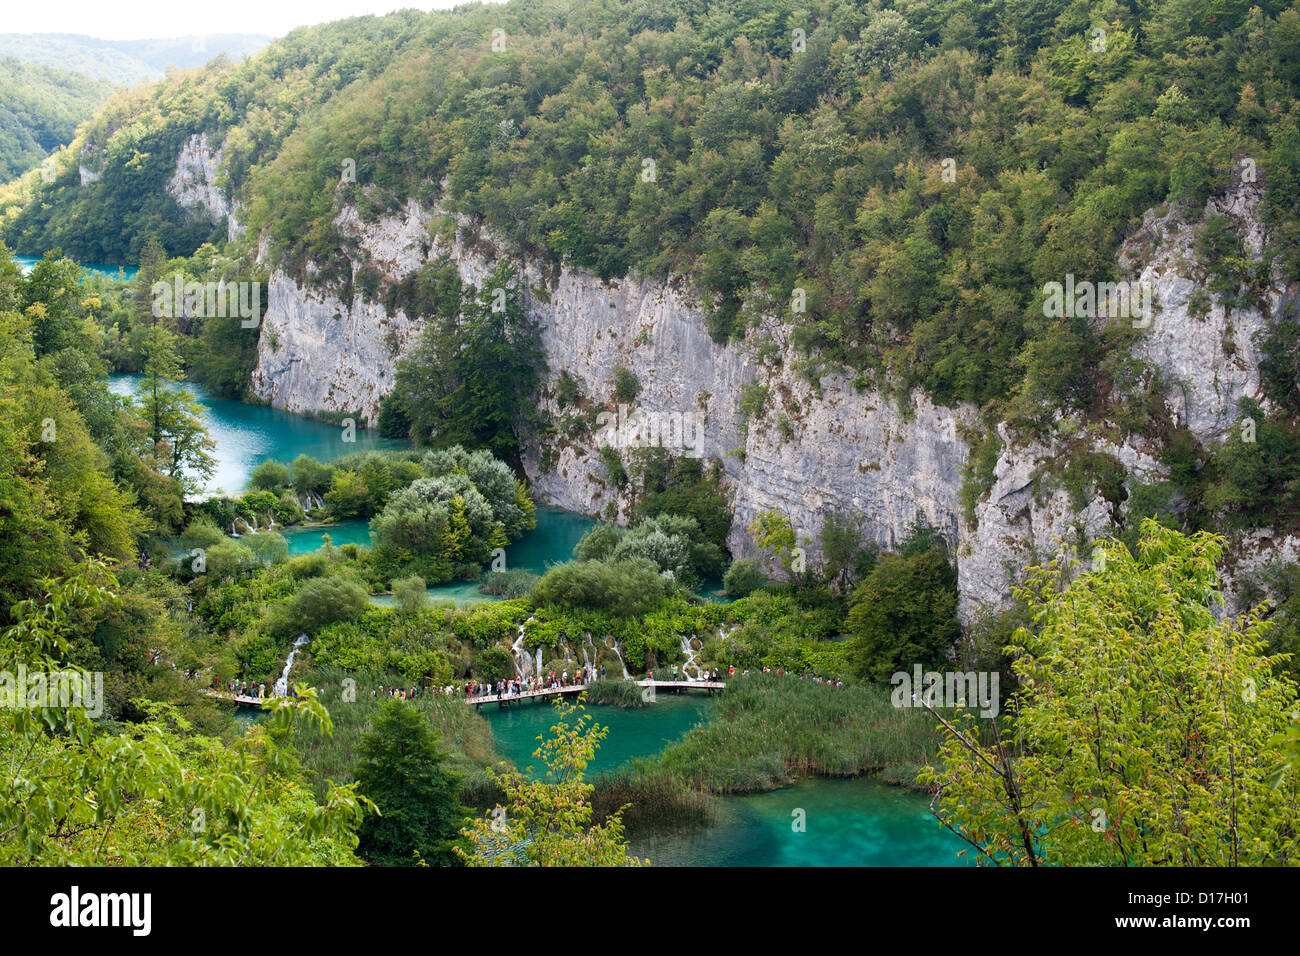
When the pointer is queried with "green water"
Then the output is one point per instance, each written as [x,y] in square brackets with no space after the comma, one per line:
[641,732]
[247,435]
[27,263]
[854,822]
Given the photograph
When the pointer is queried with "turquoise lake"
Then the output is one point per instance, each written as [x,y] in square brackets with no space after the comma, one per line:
[844,822]
[27,263]
[247,435]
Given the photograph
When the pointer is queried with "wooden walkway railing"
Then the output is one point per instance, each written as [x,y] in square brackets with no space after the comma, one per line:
[710,686]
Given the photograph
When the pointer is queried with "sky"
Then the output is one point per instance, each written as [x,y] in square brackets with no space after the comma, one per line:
[150,19]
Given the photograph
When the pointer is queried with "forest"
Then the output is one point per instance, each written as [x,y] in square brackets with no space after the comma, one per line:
[891,184]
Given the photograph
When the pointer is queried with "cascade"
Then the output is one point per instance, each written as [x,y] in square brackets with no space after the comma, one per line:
[281,688]
[612,644]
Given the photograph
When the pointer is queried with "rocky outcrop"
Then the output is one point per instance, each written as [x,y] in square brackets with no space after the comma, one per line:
[802,447]
[1205,350]
[194,184]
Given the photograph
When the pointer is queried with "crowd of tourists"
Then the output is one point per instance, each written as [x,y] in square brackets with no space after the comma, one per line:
[240,688]
[515,686]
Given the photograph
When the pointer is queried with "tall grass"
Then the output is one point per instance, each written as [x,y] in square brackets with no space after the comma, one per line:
[655,801]
[769,730]
[618,693]
[462,730]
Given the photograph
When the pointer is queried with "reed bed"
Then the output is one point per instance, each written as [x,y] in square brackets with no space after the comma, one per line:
[617,693]
[768,730]
[463,732]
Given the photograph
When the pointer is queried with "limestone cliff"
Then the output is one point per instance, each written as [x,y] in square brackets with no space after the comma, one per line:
[807,447]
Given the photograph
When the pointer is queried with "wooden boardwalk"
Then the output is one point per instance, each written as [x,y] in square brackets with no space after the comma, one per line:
[673,685]
[710,686]
[240,699]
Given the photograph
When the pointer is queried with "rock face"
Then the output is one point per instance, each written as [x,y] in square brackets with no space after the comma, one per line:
[1206,351]
[800,447]
[193,185]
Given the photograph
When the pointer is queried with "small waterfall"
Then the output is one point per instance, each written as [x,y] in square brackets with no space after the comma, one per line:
[589,660]
[613,646]
[524,660]
[691,653]
[253,526]
[281,688]
[234,532]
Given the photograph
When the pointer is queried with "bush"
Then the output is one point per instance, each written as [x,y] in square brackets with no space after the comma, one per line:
[411,593]
[311,476]
[743,577]
[624,588]
[268,547]
[228,558]
[201,533]
[269,476]
[318,602]
[626,386]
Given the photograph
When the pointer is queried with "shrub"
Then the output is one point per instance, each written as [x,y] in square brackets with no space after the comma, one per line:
[269,476]
[744,577]
[311,476]
[318,602]
[268,547]
[411,593]
[623,588]
[201,533]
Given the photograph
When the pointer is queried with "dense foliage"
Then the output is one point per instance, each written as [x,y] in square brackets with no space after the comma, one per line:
[40,109]
[918,172]
[1145,730]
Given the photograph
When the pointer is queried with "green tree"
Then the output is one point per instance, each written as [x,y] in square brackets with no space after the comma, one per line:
[904,613]
[403,771]
[547,822]
[180,444]
[1144,731]
[472,379]
[773,532]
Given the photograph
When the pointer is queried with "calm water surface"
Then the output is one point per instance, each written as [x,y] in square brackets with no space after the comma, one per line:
[854,822]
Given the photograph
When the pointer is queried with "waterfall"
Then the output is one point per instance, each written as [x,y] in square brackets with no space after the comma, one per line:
[281,688]
[523,660]
[234,533]
[589,661]
[253,526]
[690,653]
[613,646]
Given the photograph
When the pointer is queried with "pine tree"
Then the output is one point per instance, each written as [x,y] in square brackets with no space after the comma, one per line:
[403,771]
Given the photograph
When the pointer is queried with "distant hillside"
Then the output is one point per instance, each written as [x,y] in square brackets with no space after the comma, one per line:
[125,62]
[40,109]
